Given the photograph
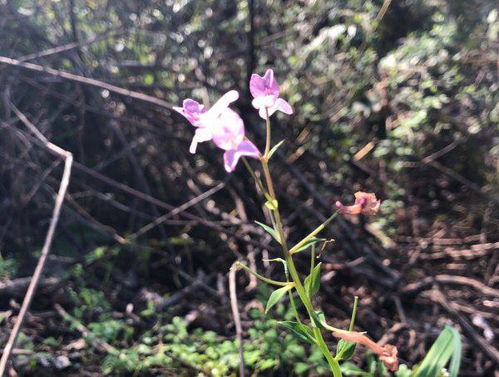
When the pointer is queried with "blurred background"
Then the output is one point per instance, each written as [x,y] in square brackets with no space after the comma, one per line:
[398,98]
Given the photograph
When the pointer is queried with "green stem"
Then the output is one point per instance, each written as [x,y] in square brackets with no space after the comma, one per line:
[262,278]
[255,178]
[313,233]
[312,259]
[293,306]
[354,312]
[333,364]
[268,139]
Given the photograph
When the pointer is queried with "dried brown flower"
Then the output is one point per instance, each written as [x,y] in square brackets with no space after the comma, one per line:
[387,353]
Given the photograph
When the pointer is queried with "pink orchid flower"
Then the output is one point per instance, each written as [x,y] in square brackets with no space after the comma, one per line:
[365,203]
[229,135]
[222,125]
[265,91]
[203,119]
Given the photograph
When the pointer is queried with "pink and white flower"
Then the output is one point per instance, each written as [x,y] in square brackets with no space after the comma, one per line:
[265,91]
[204,119]
[222,125]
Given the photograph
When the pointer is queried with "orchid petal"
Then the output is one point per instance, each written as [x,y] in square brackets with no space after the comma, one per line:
[201,134]
[257,85]
[228,132]
[270,83]
[222,103]
[192,106]
[245,148]
[270,111]
[284,106]
[264,101]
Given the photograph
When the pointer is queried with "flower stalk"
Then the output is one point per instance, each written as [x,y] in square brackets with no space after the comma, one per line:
[226,129]
[333,363]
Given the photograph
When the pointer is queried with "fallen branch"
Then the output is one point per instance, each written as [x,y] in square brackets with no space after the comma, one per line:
[87,81]
[17,287]
[449,279]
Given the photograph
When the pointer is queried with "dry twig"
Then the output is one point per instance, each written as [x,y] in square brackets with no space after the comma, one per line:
[237,318]
[68,161]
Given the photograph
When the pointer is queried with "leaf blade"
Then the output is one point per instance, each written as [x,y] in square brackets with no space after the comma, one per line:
[276,296]
[275,147]
[313,281]
[270,231]
[301,330]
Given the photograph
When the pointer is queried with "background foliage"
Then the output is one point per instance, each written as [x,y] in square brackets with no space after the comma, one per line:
[402,103]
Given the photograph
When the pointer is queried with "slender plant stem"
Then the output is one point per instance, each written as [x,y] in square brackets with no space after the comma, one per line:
[268,139]
[291,297]
[312,259]
[316,231]
[354,313]
[333,364]
[262,278]
[293,306]
[255,178]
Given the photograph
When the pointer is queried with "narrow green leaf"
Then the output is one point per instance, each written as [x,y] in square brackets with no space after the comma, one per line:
[455,361]
[345,350]
[275,147]
[319,319]
[304,332]
[447,345]
[270,231]
[276,296]
[272,204]
[313,281]
[309,243]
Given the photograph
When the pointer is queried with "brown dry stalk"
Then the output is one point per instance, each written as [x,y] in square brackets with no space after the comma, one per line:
[68,161]
[237,318]
[87,81]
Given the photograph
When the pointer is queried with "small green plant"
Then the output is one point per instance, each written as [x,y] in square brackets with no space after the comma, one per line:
[8,268]
[176,348]
[225,128]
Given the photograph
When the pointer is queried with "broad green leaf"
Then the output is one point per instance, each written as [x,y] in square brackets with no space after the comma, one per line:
[276,296]
[272,204]
[270,231]
[303,332]
[345,350]
[309,243]
[313,281]
[447,346]
[275,147]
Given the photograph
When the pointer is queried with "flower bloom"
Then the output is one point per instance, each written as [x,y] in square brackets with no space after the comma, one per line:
[222,125]
[387,353]
[265,91]
[365,203]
